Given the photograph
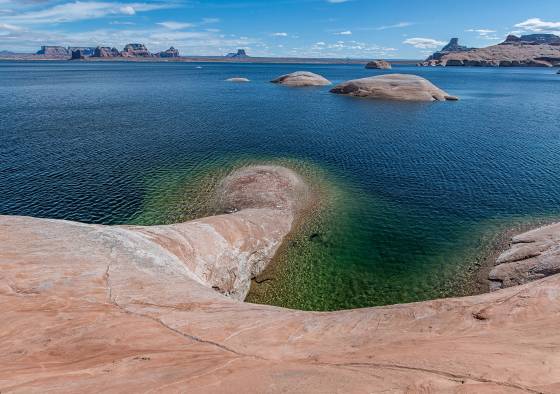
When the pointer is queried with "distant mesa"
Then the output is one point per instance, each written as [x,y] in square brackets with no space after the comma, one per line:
[79,53]
[302,78]
[379,65]
[532,39]
[135,50]
[169,53]
[238,79]
[239,54]
[401,87]
[533,50]
[106,52]
[53,51]
[452,47]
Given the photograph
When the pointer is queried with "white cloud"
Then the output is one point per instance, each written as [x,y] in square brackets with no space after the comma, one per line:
[175,25]
[537,25]
[7,26]
[82,10]
[338,49]
[482,32]
[344,33]
[207,21]
[423,43]
[156,39]
[395,26]
[280,34]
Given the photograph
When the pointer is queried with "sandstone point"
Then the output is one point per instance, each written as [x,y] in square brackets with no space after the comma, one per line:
[379,65]
[237,79]
[302,78]
[401,87]
[532,255]
[92,308]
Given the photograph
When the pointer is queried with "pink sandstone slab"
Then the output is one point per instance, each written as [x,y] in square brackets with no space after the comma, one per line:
[118,309]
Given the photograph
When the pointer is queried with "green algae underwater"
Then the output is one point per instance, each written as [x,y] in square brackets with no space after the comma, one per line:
[413,197]
[340,254]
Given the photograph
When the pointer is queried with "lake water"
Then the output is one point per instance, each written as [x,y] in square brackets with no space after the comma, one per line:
[411,193]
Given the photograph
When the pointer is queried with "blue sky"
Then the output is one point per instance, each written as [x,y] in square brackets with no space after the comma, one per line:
[314,28]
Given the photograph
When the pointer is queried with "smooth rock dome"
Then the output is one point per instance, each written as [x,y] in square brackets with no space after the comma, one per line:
[379,65]
[401,87]
[302,78]
[238,79]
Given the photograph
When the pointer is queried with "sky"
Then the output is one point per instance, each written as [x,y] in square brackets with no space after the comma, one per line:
[405,29]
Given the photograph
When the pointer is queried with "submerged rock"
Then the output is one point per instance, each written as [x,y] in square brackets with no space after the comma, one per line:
[302,78]
[379,65]
[238,79]
[401,87]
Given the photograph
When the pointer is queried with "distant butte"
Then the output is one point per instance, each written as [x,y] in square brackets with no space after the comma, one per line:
[534,50]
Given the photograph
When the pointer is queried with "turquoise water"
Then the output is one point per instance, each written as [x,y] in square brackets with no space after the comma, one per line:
[410,193]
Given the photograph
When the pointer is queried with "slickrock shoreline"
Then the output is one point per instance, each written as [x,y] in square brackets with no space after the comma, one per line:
[532,255]
[92,308]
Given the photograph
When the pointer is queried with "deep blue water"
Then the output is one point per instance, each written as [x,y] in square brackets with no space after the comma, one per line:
[417,184]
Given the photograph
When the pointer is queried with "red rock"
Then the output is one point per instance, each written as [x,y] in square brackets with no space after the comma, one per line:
[90,309]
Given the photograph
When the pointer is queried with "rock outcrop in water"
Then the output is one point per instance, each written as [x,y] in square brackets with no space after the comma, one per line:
[302,78]
[402,87]
[532,255]
[534,50]
[90,308]
[379,65]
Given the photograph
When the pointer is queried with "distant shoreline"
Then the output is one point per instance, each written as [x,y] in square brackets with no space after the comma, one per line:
[203,59]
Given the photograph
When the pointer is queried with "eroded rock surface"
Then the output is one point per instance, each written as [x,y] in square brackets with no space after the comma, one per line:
[302,78]
[532,255]
[90,308]
[402,87]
